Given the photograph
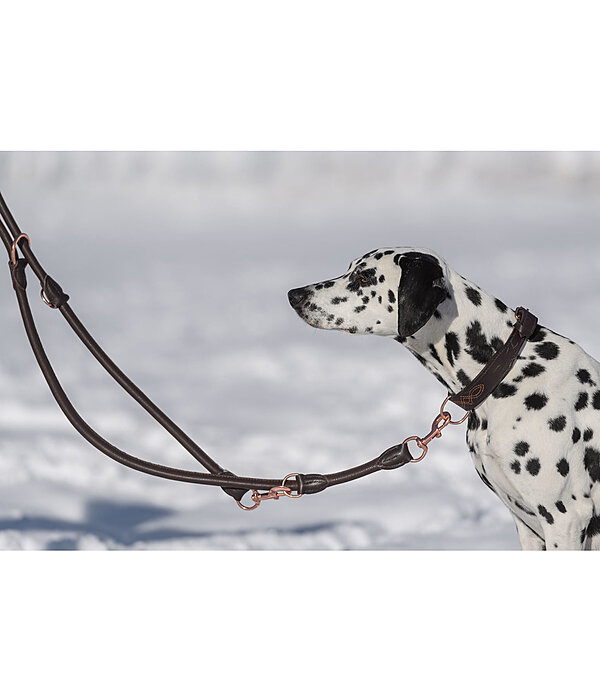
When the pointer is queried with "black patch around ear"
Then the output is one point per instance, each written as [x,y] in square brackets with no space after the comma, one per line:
[420,291]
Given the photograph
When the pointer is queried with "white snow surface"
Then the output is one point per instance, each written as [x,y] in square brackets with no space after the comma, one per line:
[179,264]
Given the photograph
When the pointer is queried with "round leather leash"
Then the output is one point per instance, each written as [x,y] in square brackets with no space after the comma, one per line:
[292,485]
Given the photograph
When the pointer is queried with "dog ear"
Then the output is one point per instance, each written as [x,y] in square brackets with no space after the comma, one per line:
[420,292]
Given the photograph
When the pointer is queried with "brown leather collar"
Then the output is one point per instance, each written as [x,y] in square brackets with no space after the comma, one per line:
[477,391]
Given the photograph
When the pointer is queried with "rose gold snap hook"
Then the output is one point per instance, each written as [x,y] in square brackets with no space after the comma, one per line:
[255,497]
[272,494]
[13,250]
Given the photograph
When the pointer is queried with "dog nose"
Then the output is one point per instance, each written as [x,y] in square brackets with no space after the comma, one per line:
[297,297]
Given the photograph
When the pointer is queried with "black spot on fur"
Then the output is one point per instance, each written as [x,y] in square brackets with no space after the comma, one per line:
[473,421]
[584,377]
[381,278]
[536,401]
[588,434]
[358,309]
[547,350]
[593,527]
[327,285]
[591,460]
[533,466]
[557,424]
[545,514]
[441,380]
[391,296]
[533,369]
[516,466]
[582,401]
[576,435]
[521,448]
[462,377]
[538,335]
[560,507]
[484,424]
[478,347]
[474,296]
[596,401]
[434,353]
[452,347]
[338,300]
[503,390]
[500,305]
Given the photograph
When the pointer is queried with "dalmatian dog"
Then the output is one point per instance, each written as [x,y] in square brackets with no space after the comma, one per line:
[536,440]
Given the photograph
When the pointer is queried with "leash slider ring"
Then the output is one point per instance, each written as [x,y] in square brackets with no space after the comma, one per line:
[13,250]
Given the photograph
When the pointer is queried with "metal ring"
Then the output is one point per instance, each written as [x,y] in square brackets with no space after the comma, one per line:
[290,494]
[419,444]
[48,303]
[255,498]
[13,250]
[450,421]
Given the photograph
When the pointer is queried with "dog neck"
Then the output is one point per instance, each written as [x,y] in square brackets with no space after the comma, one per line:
[463,334]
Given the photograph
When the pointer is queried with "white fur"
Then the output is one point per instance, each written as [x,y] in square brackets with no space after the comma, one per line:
[513,446]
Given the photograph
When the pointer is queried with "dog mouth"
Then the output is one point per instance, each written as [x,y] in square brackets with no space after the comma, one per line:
[323,324]
[302,301]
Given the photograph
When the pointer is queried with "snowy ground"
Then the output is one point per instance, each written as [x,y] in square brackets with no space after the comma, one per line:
[180,263]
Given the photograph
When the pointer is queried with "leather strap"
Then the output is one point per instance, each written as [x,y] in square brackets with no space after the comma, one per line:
[475,393]
[235,486]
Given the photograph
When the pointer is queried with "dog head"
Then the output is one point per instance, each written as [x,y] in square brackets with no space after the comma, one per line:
[389,291]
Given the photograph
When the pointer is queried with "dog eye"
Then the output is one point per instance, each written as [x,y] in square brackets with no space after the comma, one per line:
[363,280]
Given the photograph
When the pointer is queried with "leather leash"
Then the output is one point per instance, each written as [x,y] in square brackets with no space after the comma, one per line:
[292,485]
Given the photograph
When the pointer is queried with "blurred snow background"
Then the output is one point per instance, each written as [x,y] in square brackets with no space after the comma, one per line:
[179,264]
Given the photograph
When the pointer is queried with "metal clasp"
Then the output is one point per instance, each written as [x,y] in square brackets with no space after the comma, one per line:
[442,419]
[272,494]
